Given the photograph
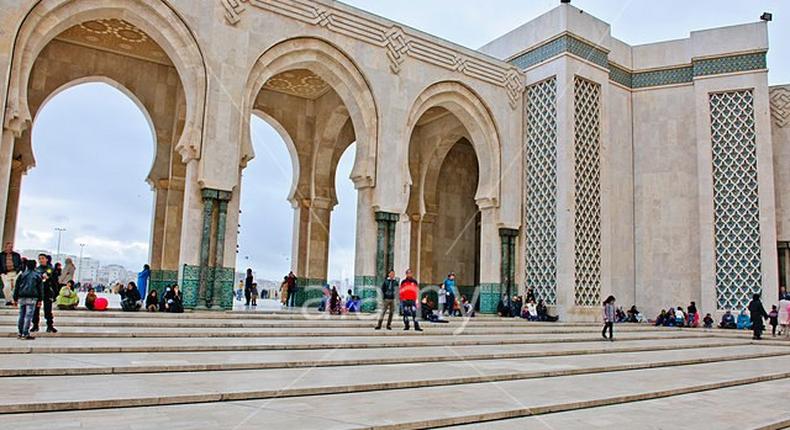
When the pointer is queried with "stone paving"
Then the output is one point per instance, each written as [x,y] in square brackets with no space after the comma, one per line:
[281,370]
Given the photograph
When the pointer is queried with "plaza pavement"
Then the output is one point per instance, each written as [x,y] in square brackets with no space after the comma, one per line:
[279,370]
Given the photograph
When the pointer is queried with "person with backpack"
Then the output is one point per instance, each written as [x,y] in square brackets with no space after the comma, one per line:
[28,291]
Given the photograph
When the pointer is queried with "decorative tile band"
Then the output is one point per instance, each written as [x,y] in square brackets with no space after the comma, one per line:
[489,297]
[565,43]
[568,43]
[161,279]
[190,283]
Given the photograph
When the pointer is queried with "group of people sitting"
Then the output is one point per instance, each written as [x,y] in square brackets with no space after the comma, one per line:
[336,304]
[170,301]
[676,317]
[531,311]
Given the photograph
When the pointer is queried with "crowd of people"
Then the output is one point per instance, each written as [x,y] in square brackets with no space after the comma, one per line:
[525,307]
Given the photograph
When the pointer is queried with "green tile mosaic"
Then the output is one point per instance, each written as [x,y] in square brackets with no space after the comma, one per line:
[309,291]
[730,64]
[161,279]
[565,43]
[366,287]
[490,294]
[190,282]
[654,78]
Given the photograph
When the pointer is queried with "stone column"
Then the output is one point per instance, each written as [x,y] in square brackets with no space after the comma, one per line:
[490,254]
[365,251]
[425,266]
[508,259]
[6,156]
[300,241]
[205,247]
[12,205]
[221,292]
[174,210]
[158,225]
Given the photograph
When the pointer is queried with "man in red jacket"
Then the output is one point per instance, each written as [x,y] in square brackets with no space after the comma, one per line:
[409,288]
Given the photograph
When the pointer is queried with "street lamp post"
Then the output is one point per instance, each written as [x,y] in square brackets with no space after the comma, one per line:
[60,231]
[79,267]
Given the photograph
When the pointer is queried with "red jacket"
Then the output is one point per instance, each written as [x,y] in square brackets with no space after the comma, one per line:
[409,289]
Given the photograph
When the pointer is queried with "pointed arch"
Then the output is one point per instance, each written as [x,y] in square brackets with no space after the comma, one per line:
[339,71]
[49,18]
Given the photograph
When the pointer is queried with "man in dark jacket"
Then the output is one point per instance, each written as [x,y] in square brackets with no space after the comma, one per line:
[388,299]
[757,314]
[28,291]
[51,289]
[10,267]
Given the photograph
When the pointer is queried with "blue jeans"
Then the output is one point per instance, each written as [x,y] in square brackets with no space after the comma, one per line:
[26,309]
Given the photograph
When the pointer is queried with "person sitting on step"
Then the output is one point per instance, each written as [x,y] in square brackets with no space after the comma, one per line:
[728,320]
[90,298]
[152,301]
[130,298]
[67,298]
[707,321]
[173,301]
[543,312]
[744,321]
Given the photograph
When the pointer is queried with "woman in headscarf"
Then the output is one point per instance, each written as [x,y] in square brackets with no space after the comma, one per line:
[68,272]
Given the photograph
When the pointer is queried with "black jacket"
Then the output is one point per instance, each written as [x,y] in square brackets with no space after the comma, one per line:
[757,311]
[15,258]
[389,287]
[133,294]
[29,286]
[51,287]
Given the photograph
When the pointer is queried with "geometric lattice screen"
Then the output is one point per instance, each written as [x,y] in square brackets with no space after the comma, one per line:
[541,190]
[736,208]
[587,192]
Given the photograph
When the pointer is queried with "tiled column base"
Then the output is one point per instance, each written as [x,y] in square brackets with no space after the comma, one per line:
[489,297]
[366,287]
[190,283]
[161,279]
[309,291]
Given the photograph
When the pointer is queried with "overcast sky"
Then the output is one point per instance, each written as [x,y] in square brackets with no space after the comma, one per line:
[94,147]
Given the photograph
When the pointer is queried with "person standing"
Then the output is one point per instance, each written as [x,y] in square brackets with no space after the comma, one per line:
[291,289]
[10,267]
[409,288]
[142,280]
[452,292]
[757,314]
[388,299]
[773,317]
[442,299]
[608,317]
[29,291]
[50,281]
[248,281]
[68,272]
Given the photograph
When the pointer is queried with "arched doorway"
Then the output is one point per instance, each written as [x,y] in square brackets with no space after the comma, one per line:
[454,167]
[104,206]
[134,54]
[318,100]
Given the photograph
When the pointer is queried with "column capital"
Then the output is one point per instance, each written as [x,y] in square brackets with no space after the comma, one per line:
[508,232]
[214,194]
[387,216]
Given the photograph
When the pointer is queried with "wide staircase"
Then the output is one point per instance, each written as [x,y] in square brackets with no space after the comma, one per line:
[293,371]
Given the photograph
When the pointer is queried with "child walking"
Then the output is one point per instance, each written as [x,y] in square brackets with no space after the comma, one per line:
[254,294]
[773,318]
[608,317]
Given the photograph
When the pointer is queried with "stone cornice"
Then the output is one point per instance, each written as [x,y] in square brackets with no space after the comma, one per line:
[568,43]
[399,41]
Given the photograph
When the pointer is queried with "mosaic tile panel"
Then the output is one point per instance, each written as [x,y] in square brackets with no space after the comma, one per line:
[621,75]
[223,279]
[736,206]
[565,43]
[587,195]
[161,279]
[309,291]
[540,217]
[490,294]
[366,287]
[190,282]
[654,78]
[730,64]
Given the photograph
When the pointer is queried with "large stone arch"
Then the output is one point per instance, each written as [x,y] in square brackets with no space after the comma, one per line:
[476,118]
[339,71]
[48,18]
